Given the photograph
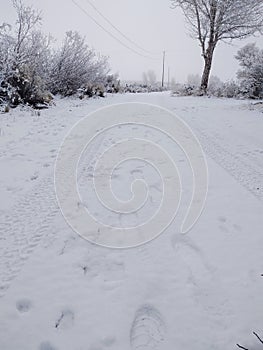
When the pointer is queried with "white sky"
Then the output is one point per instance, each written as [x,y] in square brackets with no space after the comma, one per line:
[152,24]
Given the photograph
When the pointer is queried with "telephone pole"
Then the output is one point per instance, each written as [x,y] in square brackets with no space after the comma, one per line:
[163,69]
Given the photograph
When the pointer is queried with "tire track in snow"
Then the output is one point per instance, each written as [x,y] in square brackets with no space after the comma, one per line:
[247,175]
[28,222]
[22,230]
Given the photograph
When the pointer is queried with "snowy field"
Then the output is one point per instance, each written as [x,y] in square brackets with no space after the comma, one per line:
[200,291]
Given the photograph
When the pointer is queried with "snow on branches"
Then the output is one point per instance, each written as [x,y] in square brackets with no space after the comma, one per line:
[30,69]
[211,21]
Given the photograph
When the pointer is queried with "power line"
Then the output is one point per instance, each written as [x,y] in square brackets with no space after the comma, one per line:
[109,33]
[118,30]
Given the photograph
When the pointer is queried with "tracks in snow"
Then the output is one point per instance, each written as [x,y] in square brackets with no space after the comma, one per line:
[148,329]
[246,173]
[22,230]
[28,222]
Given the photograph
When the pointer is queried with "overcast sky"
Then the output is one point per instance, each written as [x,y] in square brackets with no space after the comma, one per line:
[152,24]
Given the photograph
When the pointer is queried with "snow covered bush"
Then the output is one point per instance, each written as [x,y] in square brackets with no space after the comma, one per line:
[250,58]
[7,44]
[217,89]
[24,56]
[231,90]
[113,84]
[30,78]
[187,90]
[215,86]
[136,88]
[192,86]
[76,66]
[30,71]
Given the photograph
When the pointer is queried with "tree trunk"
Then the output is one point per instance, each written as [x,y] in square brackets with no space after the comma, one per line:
[208,58]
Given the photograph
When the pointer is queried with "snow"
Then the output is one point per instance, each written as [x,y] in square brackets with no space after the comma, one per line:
[201,290]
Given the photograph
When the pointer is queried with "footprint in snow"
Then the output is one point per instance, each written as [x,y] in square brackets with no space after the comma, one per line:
[23,305]
[148,329]
[108,341]
[193,257]
[223,224]
[222,219]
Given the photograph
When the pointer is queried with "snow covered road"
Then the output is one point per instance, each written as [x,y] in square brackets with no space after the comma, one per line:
[201,290]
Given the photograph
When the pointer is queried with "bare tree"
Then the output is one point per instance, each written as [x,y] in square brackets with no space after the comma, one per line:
[27,19]
[212,21]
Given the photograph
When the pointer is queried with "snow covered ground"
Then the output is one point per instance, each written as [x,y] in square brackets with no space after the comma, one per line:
[199,291]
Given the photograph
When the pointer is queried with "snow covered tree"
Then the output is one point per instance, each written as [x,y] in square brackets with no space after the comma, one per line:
[24,55]
[75,65]
[27,20]
[98,70]
[250,58]
[32,72]
[29,69]
[7,44]
[212,21]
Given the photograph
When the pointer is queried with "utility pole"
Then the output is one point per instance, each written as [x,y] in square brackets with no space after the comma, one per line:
[163,69]
[168,78]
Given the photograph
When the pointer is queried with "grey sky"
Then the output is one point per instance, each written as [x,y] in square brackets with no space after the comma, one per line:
[150,23]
